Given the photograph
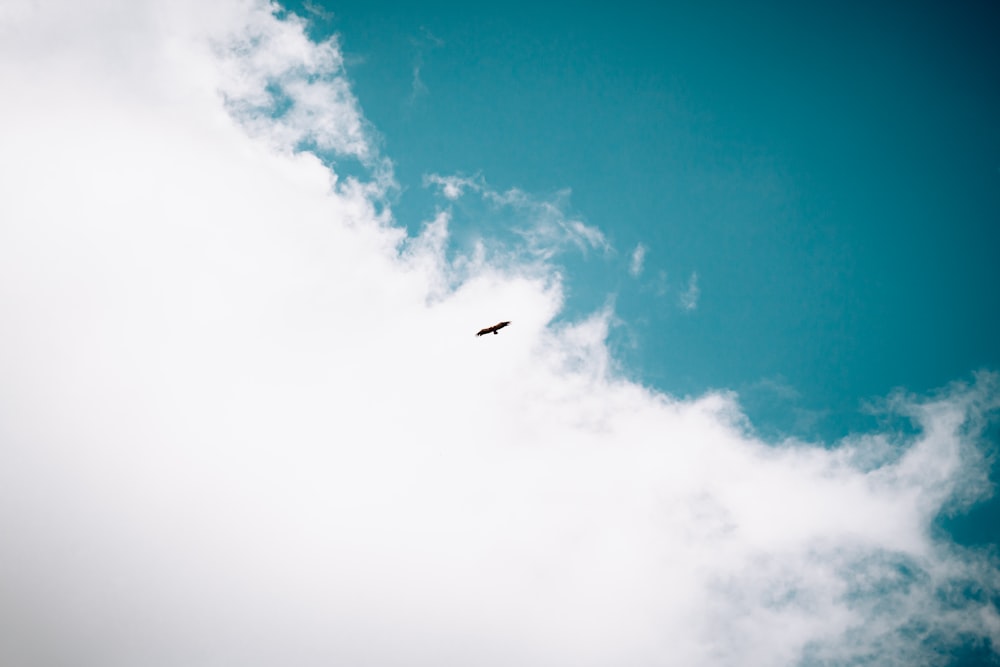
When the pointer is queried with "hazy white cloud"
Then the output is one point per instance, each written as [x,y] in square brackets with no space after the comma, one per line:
[660,286]
[638,258]
[689,297]
[776,386]
[244,419]
[544,226]
[426,40]
[454,187]
[317,11]
[417,86]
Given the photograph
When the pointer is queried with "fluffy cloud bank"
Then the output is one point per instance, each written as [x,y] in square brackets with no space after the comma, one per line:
[244,420]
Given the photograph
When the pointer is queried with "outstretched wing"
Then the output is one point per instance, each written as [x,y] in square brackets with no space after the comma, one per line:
[493,329]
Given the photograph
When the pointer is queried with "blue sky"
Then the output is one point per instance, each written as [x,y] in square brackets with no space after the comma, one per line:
[244,418]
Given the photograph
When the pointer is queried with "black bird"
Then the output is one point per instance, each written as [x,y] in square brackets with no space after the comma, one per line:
[495,329]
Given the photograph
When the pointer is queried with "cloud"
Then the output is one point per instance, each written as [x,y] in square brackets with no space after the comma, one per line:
[544,226]
[244,419]
[454,187]
[317,11]
[426,40]
[689,298]
[288,89]
[638,257]
[417,88]
[660,285]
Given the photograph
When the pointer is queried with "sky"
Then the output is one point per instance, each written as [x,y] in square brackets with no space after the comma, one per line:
[744,413]
[830,172]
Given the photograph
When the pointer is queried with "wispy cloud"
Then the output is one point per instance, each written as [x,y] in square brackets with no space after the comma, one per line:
[417,86]
[689,298]
[638,258]
[661,284]
[543,223]
[245,418]
[424,42]
[317,11]
[454,187]
[551,228]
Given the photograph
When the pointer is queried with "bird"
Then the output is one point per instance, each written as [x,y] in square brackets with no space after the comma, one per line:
[495,329]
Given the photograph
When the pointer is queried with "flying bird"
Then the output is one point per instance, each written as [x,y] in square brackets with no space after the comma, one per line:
[495,329]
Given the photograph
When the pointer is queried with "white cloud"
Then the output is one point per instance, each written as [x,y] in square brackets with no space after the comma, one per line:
[245,421]
[660,285]
[545,228]
[638,257]
[317,11]
[426,40]
[282,85]
[454,187]
[417,87]
[689,298]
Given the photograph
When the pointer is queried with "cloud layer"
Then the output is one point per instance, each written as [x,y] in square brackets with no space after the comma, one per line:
[244,419]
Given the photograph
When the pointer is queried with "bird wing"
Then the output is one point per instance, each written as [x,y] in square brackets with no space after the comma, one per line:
[493,329]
